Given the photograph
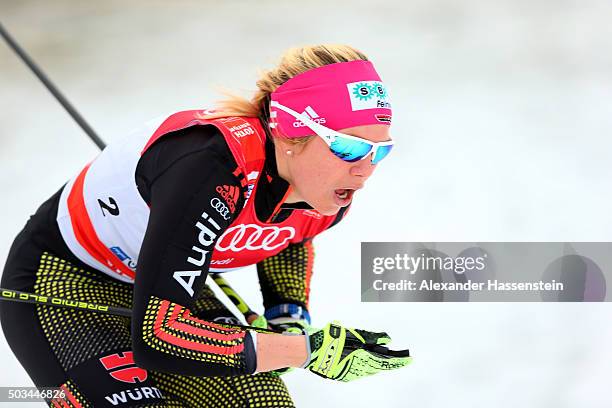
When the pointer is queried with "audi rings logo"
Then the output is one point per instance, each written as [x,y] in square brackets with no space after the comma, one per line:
[253,237]
[221,208]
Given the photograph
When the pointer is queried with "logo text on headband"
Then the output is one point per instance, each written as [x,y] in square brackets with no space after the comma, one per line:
[368,95]
[310,113]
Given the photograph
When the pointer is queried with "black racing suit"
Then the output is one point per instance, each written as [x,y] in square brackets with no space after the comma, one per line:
[99,359]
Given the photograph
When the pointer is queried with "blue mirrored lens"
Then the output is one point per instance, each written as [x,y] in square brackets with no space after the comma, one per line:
[350,150]
[381,153]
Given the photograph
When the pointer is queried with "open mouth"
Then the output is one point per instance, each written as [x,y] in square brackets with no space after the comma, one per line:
[344,194]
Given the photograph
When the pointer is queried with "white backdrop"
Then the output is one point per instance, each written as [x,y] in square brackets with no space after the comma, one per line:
[502,117]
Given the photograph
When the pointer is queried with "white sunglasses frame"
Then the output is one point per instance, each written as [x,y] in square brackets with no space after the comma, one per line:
[329,135]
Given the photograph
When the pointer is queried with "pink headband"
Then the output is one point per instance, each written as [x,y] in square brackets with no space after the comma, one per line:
[337,96]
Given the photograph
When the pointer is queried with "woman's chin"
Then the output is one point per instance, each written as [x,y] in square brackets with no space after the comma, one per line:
[327,210]
[323,206]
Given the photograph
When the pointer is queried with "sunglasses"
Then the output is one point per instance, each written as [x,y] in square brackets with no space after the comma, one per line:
[346,147]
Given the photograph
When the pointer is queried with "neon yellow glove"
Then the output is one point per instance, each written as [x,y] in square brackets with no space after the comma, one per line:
[344,354]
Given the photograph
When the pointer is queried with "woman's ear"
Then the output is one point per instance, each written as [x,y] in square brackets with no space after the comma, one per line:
[286,147]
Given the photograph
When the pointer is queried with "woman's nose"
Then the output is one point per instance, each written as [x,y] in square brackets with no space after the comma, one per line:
[363,168]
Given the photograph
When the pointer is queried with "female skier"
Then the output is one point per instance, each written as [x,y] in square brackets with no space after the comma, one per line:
[251,182]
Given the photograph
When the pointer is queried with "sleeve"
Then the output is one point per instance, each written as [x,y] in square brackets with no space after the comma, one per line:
[285,279]
[185,222]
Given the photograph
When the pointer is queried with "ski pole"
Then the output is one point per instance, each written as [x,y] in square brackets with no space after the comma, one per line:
[250,316]
[33,298]
[18,296]
[51,87]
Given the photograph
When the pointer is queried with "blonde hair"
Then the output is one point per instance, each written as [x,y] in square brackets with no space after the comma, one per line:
[293,62]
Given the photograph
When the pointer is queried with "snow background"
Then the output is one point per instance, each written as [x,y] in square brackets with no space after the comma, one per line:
[503,113]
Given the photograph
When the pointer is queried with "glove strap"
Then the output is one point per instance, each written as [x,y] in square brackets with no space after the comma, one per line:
[308,353]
